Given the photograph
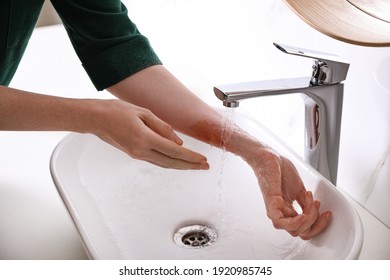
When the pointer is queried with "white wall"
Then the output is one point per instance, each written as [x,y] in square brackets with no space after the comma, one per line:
[48,15]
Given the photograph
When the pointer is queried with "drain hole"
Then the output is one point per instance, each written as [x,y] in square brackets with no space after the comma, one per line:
[195,236]
[195,239]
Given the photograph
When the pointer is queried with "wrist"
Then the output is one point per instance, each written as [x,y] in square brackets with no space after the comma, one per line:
[244,145]
[95,116]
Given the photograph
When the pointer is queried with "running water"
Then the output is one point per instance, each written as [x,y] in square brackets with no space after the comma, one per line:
[227,129]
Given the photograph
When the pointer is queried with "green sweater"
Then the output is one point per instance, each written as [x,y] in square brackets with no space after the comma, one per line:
[107,42]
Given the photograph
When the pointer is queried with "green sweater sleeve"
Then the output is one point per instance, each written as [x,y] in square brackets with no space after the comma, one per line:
[17,22]
[107,42]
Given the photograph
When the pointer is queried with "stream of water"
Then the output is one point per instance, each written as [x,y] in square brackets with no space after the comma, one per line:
[228,118]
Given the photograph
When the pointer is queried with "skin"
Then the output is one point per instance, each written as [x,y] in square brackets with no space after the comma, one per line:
[142,122]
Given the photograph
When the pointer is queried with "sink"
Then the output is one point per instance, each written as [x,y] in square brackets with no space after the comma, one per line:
[129,209]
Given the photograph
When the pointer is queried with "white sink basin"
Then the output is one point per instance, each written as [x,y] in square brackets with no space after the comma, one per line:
[129,209]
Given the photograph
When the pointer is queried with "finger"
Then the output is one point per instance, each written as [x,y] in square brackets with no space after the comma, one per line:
[310,206]
[301,198]
[318,227]
[172,150]
[288,223]
[167,147]
[164,161]
[310,210]
[289,211]
[160,127]
[282,214]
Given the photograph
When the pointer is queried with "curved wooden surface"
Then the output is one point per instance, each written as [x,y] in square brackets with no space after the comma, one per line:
[376,8]
[352,21]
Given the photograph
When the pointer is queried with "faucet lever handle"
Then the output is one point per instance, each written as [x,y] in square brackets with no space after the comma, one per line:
[327,68]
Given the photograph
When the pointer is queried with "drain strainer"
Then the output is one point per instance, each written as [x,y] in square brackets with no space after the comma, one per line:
[195,236]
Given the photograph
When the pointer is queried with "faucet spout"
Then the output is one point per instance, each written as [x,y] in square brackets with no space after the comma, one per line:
[241,91]
[323,96]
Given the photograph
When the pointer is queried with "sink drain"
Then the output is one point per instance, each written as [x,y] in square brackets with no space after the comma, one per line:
[195,236]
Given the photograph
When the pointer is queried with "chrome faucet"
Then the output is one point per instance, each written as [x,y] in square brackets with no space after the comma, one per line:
[323,97]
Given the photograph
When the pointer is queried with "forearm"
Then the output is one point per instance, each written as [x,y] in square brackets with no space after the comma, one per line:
[26,111]
[132,129]
[159,91]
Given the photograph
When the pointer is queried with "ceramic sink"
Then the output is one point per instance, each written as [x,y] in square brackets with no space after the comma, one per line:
[129,209]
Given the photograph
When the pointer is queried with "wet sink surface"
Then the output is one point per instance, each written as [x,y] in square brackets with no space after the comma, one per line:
[129,209]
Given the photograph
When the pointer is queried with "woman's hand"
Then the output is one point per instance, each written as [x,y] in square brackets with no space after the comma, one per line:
[130,128]
[142,135]
[281,185]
